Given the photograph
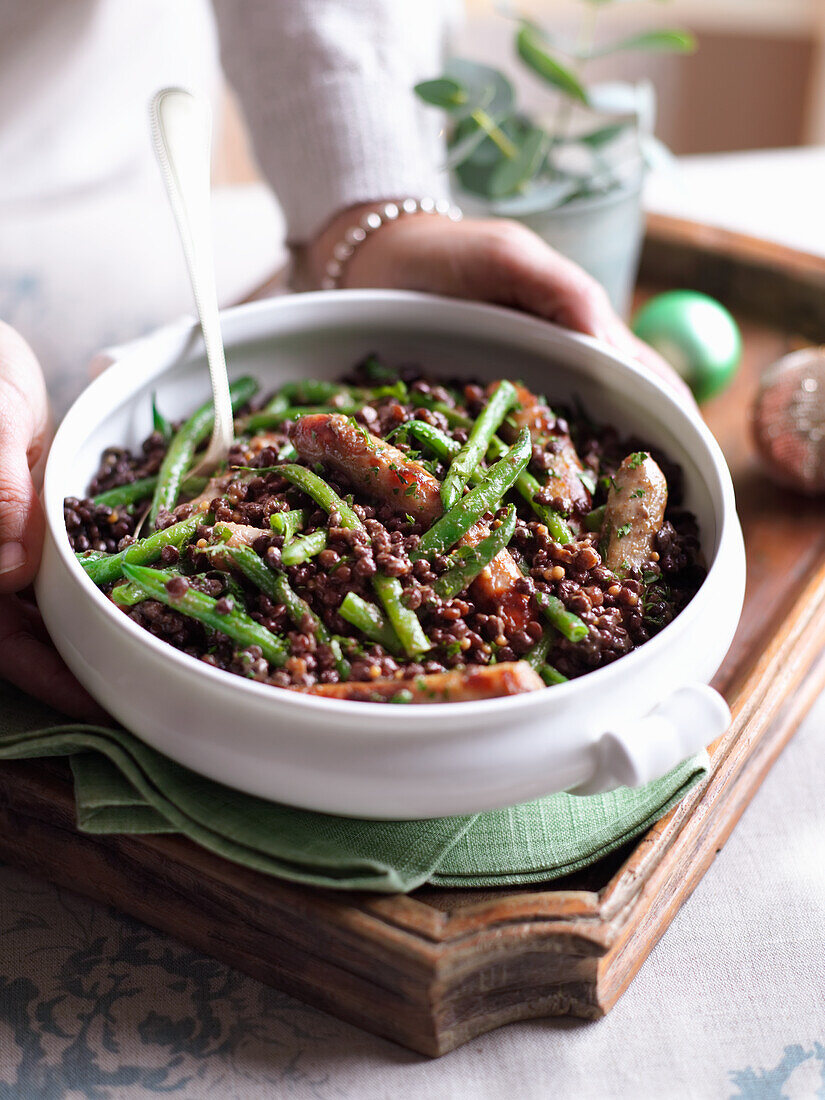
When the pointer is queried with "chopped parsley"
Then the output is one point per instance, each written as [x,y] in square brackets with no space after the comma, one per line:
[655,599]
[623,530]
[637,459]
[637,493]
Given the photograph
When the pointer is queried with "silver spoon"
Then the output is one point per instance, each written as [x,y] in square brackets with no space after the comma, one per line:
[182,135]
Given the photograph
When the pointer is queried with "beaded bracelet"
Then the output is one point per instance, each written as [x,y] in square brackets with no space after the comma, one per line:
[355,236]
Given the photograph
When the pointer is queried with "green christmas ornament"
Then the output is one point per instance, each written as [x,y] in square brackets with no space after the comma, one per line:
[696,335]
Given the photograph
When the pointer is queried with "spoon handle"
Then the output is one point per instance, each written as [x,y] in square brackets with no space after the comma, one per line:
[182,136]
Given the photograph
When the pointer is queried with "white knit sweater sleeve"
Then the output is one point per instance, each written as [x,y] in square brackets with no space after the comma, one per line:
[326,87]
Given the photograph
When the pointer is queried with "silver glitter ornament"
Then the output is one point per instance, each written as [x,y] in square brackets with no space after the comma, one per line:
[789,420]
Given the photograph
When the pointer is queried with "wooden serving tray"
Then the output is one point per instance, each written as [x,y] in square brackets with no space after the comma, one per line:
[433,969]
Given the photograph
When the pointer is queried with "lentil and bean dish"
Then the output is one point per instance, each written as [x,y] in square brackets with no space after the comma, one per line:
[394,538]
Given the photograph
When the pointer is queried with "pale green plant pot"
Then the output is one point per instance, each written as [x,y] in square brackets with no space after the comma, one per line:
[601,234]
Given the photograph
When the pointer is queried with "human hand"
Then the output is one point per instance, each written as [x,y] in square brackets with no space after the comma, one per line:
[27,657]
[490,260]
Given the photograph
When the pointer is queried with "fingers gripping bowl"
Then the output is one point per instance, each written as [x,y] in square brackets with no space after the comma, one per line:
[625,722]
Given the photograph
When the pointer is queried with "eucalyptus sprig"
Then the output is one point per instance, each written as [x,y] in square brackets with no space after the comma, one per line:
[498,152]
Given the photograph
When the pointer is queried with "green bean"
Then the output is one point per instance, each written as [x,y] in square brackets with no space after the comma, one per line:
[322,493]
[186,441]
[304,547]
[388,589]
[287,523]
[300,612]
[568,624]
[288,453]
[262,421]
[470,455]
[442,445]
[277,403]
[452,416]
[404,621]
[526,485]
[266,417]
[468,561]
[551,675]
[277,587]
[397,389]
[316,396]
[109,568]
[312,391]
[371,621]
[593,520]
[122,495]
[129,593]
[484,498]
[536,657]
[235,624]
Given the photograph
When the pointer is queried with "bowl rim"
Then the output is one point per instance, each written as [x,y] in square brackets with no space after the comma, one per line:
[182,338]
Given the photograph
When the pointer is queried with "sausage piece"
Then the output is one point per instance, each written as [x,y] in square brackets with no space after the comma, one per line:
[385,472]
[456,686]
[635,512]
[215,487]
[563,477]
[498,587]
[368,463]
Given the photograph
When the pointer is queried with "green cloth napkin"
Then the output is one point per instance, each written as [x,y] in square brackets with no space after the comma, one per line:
[123,786]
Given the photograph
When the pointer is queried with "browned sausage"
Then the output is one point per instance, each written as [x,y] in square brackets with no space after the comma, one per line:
[563,478]
[383,471]
[215,487]
[243,534]
[367,462]
[459,685]
[498,587]
[635,511]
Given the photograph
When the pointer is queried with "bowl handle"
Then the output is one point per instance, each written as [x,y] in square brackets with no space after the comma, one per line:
[173,335]
[634,753]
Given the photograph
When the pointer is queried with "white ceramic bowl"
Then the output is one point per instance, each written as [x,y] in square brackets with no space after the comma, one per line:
[623,724]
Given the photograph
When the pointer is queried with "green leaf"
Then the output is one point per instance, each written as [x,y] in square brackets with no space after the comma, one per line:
[676,41]
[475,178]
[511,174]
[541,195]
[463,147]
[532,52]
[597,139]
[474,173]
[485,86]
[443,92]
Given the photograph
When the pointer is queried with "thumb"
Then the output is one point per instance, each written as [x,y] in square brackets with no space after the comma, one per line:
[23,432]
